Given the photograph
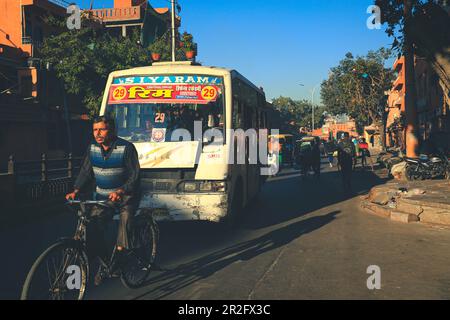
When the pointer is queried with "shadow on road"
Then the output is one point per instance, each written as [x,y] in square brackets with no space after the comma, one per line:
[186,274]
[291,196]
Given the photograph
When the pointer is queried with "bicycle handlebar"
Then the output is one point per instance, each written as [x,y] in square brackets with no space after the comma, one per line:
[103,203]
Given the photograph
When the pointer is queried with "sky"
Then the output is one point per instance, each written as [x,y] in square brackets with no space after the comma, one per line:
[277,44]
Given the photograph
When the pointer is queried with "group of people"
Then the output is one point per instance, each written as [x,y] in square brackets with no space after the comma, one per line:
[308,157]
[330,149]
[348,151]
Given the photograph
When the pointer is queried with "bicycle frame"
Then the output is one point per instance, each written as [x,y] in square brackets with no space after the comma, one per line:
[81,234]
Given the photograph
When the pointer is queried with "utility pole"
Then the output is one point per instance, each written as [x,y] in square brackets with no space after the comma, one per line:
[173,30]
[312,105]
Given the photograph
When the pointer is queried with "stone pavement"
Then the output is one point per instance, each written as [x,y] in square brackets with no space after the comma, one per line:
[411,201]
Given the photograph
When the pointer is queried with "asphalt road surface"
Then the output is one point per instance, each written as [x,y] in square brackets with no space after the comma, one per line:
[300,239]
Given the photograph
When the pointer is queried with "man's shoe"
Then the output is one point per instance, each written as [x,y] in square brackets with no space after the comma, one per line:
[100,276]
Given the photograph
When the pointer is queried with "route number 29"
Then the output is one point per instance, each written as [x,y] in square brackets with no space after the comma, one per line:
[119,93]
[160,117]
[209,93]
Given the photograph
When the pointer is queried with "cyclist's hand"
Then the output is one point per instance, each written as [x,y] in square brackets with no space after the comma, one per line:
[71,196]
[115,196]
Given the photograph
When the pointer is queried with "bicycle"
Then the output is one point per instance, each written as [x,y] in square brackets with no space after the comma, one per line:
[67,265]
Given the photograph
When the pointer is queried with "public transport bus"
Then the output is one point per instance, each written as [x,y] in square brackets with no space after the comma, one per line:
[188,178]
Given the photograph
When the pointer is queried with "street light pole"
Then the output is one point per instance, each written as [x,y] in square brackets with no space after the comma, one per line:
[173,30]
[312,102]
[312,105]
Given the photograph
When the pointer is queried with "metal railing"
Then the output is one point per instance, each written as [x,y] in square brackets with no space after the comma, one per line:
[42,180]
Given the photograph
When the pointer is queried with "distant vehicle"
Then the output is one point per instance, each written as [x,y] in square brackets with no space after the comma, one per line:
[285,148]
[304,152]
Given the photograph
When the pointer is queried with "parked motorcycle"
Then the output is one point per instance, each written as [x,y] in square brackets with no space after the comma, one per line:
[426,167]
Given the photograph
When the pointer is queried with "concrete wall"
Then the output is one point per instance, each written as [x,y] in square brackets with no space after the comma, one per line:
[11,29]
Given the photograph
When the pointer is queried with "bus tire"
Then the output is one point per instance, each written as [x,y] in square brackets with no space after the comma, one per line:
[236,208]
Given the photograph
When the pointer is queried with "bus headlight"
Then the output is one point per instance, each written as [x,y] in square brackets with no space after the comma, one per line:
[219,186]
[206,186]
[190,187]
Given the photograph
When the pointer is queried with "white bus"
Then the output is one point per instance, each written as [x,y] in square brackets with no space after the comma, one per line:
[182,174]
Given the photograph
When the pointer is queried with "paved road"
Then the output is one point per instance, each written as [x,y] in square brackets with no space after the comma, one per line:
[299,240]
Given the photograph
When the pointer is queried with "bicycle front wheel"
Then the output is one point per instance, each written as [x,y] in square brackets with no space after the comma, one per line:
[136,264]
[60,273]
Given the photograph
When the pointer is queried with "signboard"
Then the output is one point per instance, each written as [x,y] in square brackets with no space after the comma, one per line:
[165,89]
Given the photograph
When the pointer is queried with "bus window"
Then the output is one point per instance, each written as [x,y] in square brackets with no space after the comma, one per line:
[237,114]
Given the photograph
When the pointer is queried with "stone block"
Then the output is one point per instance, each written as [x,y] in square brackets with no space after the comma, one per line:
[403,217]
[435,216]
[410,208]
[376,209]
[382,198]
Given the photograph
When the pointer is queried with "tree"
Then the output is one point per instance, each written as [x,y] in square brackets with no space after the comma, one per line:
[83,59]
[423,27]
[297,113]
[357,87]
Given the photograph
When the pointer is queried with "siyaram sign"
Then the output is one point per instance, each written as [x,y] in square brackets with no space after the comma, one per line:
[200,94]
[165,89]
[175,79]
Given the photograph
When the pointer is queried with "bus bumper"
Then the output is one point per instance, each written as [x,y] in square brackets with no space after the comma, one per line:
[186,207]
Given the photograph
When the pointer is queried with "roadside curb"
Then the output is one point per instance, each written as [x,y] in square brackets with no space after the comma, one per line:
[426,202]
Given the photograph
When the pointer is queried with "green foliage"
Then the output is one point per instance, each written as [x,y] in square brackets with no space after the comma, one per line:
[357,87]
[422,10]
[298,112]
[188,42]
[163,46]
[83,59]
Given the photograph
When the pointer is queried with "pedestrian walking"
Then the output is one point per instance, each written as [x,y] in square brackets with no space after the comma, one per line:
[330,148]
[346,153]
[357,152]
[315,161]
[365,153]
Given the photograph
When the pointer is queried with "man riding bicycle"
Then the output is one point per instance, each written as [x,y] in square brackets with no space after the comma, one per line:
[113,164]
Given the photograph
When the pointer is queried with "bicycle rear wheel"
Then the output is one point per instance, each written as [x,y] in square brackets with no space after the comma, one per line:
[137,263]
[60,273]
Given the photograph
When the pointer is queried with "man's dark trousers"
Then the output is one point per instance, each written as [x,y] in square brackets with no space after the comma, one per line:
[346,170]
[100,216]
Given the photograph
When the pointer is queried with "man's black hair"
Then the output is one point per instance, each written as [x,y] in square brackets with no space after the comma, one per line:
[109,122]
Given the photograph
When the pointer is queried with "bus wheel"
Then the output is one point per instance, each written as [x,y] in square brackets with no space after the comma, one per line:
[235,209]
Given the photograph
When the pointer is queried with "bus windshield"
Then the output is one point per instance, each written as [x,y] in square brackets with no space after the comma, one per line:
[152,112]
